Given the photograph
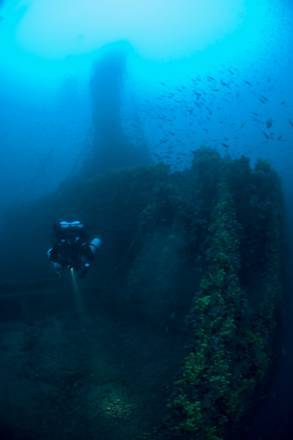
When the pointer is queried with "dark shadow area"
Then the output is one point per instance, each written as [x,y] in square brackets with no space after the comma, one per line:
[173,334]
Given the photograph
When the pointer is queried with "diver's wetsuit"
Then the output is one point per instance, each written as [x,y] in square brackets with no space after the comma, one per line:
[78,256]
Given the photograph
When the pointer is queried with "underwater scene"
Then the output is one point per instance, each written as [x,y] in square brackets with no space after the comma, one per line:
[146,234]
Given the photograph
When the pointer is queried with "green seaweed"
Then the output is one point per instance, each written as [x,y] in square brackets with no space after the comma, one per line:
[232,343]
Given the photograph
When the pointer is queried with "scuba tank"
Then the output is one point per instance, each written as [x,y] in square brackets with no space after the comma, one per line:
[69,231]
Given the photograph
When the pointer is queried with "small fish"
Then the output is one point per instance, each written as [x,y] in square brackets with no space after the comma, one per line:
[248,83]
[266,135]
[269,123]
[290,122]
[263,99]
[225,145]
[211,78]
[225,84]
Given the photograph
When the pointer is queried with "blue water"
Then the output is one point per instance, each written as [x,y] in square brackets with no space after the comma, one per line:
[194,75]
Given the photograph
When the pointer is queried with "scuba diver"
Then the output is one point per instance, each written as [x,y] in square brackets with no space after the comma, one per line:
[72,249]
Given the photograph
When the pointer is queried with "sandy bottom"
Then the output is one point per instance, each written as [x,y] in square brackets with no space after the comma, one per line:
[90,372]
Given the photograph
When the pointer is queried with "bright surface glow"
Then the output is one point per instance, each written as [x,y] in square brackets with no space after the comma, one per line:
[44,41]
[56,28]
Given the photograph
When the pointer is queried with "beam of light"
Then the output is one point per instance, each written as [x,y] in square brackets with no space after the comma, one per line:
[79,303]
